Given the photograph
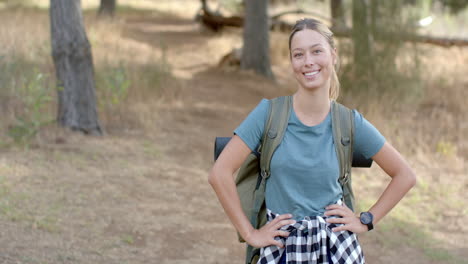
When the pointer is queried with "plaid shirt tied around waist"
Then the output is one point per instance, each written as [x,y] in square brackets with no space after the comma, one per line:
[312,241]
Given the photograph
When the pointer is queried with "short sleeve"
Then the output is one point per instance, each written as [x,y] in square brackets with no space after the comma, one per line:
[251,129]
[367,139]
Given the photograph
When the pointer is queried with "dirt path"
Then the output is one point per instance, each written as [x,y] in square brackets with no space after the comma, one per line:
[139,196]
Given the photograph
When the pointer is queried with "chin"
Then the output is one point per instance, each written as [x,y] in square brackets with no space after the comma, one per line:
[310,86]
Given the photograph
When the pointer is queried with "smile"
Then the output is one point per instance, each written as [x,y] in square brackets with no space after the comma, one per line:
[309,74]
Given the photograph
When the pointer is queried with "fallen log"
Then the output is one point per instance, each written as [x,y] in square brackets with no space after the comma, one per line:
[216,21]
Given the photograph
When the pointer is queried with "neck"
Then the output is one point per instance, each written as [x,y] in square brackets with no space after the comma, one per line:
[314,103]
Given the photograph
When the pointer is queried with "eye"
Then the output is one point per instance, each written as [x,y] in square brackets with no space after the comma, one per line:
[317,51]
[297,55]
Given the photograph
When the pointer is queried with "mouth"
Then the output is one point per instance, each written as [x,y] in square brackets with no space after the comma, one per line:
[310,74]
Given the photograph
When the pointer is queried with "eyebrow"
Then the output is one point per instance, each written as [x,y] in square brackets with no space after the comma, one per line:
[313,46]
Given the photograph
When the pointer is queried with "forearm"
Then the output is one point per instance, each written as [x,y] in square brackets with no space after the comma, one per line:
[395,191]
[400,184]
[225,188]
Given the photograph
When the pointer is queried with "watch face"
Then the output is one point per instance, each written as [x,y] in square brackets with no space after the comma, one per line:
[366,218]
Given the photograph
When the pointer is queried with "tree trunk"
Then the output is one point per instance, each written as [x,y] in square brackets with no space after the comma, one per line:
[73,61]
[362,40]
[337,13]
[255,52]
[107,8]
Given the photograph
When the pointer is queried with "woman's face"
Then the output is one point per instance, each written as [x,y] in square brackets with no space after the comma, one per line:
[312,59]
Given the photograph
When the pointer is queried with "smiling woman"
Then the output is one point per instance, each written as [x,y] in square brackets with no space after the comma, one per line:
[312,60]
[312,49]
[307,193]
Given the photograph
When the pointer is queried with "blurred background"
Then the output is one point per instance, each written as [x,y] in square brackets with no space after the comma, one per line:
[110,109]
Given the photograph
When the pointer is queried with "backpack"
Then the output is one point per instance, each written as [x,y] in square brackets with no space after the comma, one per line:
[254,172]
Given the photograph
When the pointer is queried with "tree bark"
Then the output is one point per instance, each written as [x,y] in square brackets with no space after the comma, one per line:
[256,49]
[73,61]
[337,13]
[107,8]
[362,40]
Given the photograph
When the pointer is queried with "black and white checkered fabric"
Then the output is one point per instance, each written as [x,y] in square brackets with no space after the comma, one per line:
[312,241]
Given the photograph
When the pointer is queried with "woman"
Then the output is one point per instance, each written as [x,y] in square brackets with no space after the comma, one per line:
[303,189]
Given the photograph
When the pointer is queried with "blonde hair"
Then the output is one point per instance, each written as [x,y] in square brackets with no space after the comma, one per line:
[322,29]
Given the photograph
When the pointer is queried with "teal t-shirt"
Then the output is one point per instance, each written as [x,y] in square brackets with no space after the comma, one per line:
[304,168]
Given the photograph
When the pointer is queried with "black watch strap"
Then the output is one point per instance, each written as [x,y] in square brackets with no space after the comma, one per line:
[367,219]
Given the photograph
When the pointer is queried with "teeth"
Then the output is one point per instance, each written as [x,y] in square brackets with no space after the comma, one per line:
[311,73]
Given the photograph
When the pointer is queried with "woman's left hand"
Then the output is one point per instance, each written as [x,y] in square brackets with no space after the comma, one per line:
[350,221]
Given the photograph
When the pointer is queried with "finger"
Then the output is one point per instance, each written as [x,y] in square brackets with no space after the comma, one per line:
[283,223]
[281,217]
[344,212]
[333,206]
[340,228]
[339,212]
[277,243]
[337,220]
[338,207]
[282,233]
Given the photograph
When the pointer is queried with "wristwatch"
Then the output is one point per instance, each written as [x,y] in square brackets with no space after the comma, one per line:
[366,219]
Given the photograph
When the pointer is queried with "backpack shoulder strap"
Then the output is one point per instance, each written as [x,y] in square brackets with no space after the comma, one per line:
[280,109]
[272,136]
[343,135]
[273,133]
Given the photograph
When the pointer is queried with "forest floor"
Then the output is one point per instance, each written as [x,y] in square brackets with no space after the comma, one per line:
[140,194]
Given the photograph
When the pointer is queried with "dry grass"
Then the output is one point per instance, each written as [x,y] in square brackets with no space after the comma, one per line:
[126,197]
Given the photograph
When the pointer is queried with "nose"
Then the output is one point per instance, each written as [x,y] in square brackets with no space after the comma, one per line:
[309,61]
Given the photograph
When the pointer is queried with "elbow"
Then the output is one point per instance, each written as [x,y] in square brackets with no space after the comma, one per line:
[406,178]
[218,175]
[213,176]
[411,178]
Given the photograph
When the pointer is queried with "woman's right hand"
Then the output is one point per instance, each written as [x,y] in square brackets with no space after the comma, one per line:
[265,236]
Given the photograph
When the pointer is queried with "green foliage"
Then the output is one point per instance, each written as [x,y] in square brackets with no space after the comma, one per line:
[26,93]
[112,84]
[35,95]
